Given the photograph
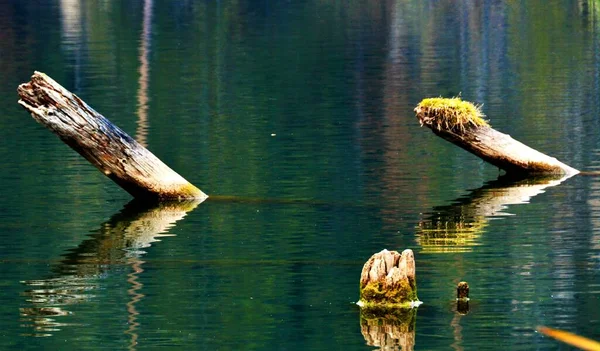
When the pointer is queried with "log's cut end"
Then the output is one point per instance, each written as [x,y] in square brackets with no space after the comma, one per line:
[450,114]
[388,282]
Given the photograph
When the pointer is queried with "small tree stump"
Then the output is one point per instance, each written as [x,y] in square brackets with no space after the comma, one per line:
[462,291]
[462,298]
[388,281]
[462,124]
[104,145]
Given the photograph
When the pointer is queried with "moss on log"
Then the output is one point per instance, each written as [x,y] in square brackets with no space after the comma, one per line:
[388,282]
[462,124]
[106,146]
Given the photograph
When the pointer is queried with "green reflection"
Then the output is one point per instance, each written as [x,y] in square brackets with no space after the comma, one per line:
[458,227]
[118,242]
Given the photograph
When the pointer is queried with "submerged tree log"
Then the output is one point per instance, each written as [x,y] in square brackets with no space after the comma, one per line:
[103,144]
[388,282]
[462,124]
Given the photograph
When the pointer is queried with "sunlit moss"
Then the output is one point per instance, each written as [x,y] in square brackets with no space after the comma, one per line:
[379,296]
[449,114]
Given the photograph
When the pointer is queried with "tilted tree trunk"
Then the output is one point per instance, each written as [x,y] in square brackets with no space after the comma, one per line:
[460,123]
[103,144]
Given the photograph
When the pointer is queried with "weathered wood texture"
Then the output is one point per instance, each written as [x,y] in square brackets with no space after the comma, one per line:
[103,144]
[388,280]
[499,149]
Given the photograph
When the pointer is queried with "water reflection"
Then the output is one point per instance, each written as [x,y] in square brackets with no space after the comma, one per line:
[73,33]
[393,332]
[119,242]
[458,227]
[142,95]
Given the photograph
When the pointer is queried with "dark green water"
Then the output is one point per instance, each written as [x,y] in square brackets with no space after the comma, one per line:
[296,118]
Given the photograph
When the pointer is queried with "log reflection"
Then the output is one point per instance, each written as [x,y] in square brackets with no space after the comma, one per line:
[459,226]
[394,332]
[117,246]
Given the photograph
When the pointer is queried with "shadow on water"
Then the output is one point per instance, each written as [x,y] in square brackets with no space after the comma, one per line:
[458,227]
[117,245]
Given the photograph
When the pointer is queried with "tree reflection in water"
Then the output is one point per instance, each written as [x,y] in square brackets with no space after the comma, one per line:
[457,227]
[118,243]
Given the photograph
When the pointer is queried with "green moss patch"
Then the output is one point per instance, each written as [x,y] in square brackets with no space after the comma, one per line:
[450,114]
[377,292]
[380,298]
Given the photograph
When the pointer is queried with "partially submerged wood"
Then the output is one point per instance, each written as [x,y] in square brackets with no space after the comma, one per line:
[388,282]
[462,124]
[106,146]
[462,298]
[462,291]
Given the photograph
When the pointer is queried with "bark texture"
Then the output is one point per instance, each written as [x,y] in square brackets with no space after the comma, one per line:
[388,280]
[499,149]
[103,144]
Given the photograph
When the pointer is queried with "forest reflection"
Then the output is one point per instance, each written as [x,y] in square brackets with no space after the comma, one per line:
[458,227]
[118,243]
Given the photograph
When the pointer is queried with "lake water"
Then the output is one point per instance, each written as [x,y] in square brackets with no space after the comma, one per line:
[296,117]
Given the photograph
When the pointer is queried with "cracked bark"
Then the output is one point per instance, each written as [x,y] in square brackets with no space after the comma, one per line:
[104,145]
[499,149]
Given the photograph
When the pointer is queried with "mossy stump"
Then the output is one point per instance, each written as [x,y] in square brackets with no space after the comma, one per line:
[388,282]
[463,124]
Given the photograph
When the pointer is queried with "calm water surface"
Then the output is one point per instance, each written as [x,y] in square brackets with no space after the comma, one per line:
[296,117]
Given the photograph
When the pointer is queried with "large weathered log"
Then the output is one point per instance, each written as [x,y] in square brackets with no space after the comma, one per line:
[461,123]
[103,144]
[388,281]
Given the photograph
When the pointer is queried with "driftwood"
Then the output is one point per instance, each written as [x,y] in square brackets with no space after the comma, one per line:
[461,123]
[388,281]
[103,144]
